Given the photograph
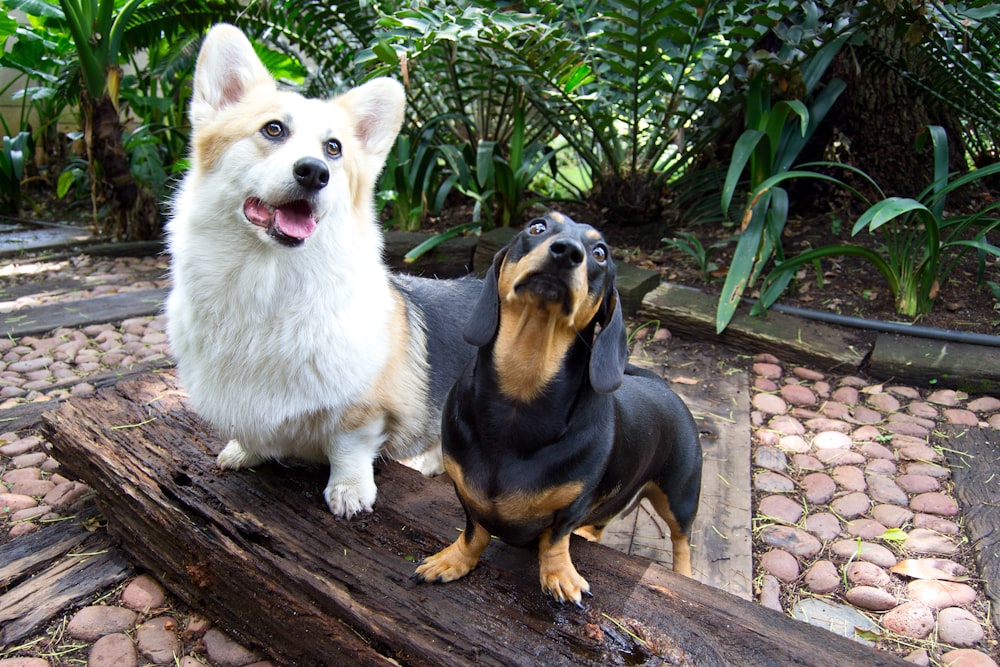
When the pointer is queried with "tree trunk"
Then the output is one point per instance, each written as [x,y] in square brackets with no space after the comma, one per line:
[131,210]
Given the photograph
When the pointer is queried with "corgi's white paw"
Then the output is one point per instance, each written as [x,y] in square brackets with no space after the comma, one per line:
[233,457]
[429,463]
[347,498]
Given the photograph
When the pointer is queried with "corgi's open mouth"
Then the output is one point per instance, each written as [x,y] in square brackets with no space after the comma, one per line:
[289,224]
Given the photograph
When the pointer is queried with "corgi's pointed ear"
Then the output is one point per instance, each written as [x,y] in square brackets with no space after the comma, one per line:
[377,108]
[227,69]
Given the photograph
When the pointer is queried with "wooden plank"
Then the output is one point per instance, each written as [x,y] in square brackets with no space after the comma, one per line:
[721,539]
[99,310]
[943,363]
[57,286]
[451,259]
[634,283]
[37,238]
[27,415]
[340,592]
[69,581]
[489,243]
[690,311]
[974,457]
[26,555]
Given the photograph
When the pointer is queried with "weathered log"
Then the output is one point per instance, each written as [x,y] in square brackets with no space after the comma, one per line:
[258,552]
[974,456]
[691,312]
[451,259]
[938,362]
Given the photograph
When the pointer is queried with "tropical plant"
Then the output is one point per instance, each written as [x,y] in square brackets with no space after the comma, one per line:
[13,152]
[103,36]
[689,244]
[922,241]
[470,172]
[515,172]
[949,57]
[411,181]
[327,35]
[636,88]
[39,60]
[500,184]
[97,28]
[768,147]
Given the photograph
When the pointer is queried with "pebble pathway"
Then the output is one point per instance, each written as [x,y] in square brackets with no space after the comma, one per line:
[854,527]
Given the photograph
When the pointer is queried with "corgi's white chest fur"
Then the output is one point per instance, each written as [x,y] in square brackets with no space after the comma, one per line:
[295,332]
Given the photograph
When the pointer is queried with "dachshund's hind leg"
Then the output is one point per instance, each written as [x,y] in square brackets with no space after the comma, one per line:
[679,538]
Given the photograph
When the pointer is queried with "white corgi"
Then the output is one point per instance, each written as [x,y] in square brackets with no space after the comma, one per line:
[290,334]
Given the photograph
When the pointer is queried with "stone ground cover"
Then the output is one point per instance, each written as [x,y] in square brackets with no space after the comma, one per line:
[855,520]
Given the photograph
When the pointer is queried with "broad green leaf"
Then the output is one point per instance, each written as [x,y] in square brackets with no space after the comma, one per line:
[742,152]
[885,211]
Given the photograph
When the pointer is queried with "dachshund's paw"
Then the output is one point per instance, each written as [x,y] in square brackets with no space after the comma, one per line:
[235,456]
[590,533]
[451,563]
[564,583]
[345,499]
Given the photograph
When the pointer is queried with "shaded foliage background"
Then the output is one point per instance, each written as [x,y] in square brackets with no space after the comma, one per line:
[631,107]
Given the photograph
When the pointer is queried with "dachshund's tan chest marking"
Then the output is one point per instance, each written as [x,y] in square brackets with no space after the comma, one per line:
[529,348]
[514,505]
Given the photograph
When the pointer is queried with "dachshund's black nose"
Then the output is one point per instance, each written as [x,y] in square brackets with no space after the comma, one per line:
[566,252]
[311,173]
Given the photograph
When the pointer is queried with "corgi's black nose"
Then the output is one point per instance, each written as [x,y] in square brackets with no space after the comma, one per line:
[566,252]
[311,173]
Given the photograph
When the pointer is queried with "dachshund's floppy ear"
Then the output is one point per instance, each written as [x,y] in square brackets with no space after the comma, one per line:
[610,352]
[482,324]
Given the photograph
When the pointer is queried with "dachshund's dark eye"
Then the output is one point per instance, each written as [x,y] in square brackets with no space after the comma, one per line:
[600,253]
[333,148]
[273,129]
[537,227]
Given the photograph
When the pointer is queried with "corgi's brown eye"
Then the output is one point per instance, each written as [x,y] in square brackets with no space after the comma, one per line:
[600,253]
[537,227]
[273,129]
[333,148]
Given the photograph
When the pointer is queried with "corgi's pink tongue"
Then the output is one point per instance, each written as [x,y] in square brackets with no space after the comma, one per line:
[294,219]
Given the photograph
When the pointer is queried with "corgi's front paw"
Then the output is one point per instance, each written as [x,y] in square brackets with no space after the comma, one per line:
[347,498]
[234,456]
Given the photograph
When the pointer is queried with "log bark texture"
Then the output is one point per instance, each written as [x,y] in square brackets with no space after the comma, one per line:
[974,456]
[258,552]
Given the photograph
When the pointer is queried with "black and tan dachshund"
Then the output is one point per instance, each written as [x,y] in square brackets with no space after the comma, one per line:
[549,431]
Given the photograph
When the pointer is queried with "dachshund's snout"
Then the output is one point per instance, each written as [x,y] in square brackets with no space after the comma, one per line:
[566,252]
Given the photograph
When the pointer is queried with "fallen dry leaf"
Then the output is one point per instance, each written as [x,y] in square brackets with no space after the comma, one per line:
[930,568]
[685,380]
